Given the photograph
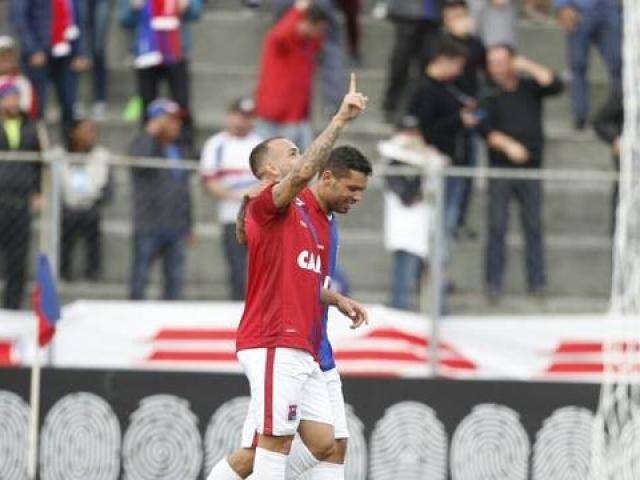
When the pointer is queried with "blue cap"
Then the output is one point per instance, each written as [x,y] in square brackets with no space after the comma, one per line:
[163,106]
[8,88]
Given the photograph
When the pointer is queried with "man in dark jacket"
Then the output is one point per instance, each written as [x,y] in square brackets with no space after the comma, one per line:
[19,187]
[608,125]
[51,42]
[416,22]
[515,137]
[162,200]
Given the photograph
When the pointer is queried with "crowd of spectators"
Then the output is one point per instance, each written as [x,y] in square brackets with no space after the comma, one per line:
[454,81]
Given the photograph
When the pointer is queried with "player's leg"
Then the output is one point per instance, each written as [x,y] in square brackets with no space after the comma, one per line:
[286,373]
[332,467]
[239,464]
[316,433]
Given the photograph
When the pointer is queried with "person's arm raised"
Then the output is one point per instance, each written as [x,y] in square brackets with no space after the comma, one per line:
[314,159]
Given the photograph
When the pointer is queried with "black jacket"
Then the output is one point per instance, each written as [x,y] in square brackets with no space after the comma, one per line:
[20,180]
[161,197]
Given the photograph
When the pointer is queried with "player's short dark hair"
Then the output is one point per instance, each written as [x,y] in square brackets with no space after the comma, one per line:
[316,14]
[346,158]
[258,155]
[448,48]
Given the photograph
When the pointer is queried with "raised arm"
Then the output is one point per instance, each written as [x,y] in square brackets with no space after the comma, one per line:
[314,159]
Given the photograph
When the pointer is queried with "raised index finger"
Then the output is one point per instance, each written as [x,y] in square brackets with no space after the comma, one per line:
[352,83]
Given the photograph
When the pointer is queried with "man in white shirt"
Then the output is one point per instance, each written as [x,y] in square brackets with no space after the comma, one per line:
[226,175]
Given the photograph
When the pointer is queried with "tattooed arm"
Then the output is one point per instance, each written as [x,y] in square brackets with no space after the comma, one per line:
[314,159]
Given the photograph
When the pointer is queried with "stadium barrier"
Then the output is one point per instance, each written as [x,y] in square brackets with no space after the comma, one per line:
[111,424]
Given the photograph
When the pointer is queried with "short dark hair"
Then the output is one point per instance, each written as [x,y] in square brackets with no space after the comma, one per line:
[504,46]
[455,4]
[448,48]
[346,158]
[317,14]
[258,154]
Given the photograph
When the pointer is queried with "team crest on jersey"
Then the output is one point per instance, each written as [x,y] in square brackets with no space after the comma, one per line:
[293,413]
[309,261]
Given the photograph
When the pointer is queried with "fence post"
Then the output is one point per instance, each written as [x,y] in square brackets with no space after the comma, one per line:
[50,192]
[437,269]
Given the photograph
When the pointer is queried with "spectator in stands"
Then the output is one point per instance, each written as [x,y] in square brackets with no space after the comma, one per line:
[98,19]
[496,20]
[515,138]
[444,114]
[162,218]
[287,66]
[416,23]
[50,34]
[586,22]
[162,44]
[458,26]
[19,193]
[10,73]
[85,189]
[407,215]
[331,59]
[225,170]
[352,10]
[608,125]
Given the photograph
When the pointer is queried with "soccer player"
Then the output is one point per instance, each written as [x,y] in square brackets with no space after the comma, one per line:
[281,331]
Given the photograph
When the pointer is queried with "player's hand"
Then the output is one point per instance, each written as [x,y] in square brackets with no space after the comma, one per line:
[354,103]
[352,309]
[241,234]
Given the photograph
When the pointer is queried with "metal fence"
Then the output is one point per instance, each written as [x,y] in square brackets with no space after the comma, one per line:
[92,244]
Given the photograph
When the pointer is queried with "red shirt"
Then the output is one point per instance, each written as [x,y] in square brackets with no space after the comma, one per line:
[286,72]
[288,262]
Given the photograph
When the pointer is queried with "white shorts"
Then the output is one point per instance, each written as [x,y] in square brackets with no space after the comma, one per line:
[336,397]
[286,385]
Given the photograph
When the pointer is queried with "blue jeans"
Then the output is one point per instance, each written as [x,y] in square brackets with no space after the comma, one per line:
[65,81]
[148,246]
[299,133]
[528,193]
[601,26]
[406,278]
[98,19]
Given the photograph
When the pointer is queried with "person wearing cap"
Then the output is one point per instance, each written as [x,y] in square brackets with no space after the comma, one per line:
[10,73]
[19,193]
[162,218]
[227,177]
[50,34]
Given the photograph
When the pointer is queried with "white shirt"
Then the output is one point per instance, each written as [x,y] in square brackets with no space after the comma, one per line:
[407,227]
[225,159]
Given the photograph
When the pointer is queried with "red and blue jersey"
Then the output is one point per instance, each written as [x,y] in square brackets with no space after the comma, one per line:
[287,266]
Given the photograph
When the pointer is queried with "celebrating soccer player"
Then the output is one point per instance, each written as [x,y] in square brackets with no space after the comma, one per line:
[292,241]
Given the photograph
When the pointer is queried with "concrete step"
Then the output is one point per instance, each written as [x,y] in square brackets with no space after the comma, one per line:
[565,149]
[545,43]
[569,208]
[367,263]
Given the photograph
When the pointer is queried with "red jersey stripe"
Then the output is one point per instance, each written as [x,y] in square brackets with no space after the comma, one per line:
[268,392]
